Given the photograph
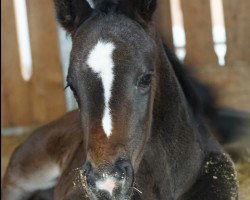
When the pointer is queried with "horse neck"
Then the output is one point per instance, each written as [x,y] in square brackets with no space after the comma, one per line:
[171,110]
[170,106]
[174,149]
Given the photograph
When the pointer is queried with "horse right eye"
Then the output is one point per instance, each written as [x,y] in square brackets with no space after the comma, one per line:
[145,80]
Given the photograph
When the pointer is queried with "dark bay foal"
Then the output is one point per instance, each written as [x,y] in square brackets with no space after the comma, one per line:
[136,134]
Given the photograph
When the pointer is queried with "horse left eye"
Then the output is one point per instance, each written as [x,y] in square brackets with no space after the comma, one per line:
[145,80]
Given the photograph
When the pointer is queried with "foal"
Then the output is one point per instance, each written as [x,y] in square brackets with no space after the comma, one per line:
[135,135]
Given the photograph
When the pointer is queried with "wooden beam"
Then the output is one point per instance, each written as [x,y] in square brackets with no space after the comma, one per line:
[15,91]
[162,18]
[198,28]
[237,22]
[47,79]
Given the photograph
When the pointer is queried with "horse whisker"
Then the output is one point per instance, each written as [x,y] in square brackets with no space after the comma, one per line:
[137,190]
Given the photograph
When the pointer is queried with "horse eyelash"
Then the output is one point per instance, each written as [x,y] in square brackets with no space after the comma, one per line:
[72,89]
[66,86]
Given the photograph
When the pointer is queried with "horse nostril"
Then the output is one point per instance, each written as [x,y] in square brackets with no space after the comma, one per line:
[123,169]
[87,167]
[109,179]
[90,174]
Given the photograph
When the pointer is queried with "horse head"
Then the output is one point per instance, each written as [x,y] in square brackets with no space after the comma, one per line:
[112,74]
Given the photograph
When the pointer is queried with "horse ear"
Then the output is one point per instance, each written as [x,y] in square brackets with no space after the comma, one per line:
[71,13]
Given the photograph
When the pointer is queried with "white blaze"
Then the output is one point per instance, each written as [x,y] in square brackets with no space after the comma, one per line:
[101,62]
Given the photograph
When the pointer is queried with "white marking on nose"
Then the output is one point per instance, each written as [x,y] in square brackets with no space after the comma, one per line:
[101,62]
[91,3]
[106,185]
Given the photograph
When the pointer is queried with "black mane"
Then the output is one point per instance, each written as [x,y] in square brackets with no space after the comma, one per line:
[202,100]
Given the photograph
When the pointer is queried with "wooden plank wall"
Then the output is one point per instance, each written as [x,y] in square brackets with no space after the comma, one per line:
[42,98]
[198,29]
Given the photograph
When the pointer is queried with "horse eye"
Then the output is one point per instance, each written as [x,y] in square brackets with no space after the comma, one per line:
[145,80]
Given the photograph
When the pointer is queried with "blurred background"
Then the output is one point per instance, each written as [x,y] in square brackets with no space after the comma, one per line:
[212,36]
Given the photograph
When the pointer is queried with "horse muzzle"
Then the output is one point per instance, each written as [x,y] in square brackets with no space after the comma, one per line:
[110,182]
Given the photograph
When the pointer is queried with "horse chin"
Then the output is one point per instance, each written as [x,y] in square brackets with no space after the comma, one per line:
[116,195]
[109,190]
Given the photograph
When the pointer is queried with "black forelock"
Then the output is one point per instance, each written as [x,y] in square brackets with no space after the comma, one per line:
[107,6]
[138,10]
